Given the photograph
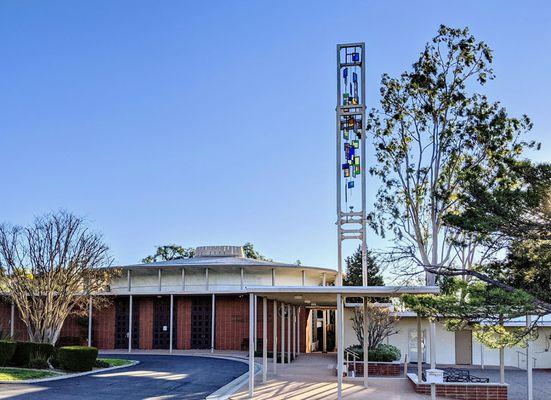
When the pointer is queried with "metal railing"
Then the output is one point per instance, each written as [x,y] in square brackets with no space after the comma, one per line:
[523,365]
[355,356]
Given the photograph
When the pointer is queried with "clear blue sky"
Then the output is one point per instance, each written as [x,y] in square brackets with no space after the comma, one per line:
[213,122]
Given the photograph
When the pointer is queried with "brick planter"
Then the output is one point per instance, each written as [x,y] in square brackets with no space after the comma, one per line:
[376,368]
[462,390]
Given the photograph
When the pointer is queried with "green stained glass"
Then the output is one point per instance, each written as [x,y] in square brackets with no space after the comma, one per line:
[357,161]
[357,170]
[346,135]
[356,144]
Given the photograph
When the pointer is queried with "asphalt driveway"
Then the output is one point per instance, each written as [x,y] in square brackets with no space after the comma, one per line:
[156,377]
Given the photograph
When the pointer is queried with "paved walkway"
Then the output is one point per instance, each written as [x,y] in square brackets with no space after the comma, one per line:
[156,377]
[313,377]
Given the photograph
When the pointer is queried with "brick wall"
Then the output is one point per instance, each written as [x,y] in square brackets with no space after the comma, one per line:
[377,369]
[20,329]
[146,322]
[103,327]
[232,322]
[465,391]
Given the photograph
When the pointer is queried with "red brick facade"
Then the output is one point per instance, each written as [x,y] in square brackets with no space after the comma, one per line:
[465,391]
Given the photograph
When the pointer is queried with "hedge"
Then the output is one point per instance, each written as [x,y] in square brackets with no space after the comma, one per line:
[383,353]
[77,358]
[24,351]
[7,349]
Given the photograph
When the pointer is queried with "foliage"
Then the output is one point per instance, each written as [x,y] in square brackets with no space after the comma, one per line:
[21,374]
[111,362]
[170,252]
[24,351]
[100,363]
[431,129]
[382,353]
[49,268]
[483,307]
[250,252]
[381,324]
[77,358]
[7,349]
[38,361]
[354,270]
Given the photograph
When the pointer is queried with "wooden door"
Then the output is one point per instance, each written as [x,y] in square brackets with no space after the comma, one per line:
[122,308]
[201,317]
[161,323]
[463,347]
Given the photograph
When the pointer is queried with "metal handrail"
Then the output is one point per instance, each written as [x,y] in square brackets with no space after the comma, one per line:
[355,357]
[519,353]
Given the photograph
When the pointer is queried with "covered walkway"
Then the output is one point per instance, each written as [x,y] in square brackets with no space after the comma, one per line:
[312,376]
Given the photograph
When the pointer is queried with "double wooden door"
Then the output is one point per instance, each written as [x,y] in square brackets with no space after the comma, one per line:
[201,320]
[161,323]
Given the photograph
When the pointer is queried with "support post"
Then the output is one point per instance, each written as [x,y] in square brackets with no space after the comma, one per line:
[129,280]
[255,306]
[294,315]
[90,321]
[12,320]
[419,350]
[251,345]
[160,279]
[264,339]
[207,279]
[274,345]
[433,357]
[171,323]
[303,275]
[324,333]
[340,358]
[130,324]
[289,339]
[183,279]
[298,331]
[366,343]
[282,333]
[242,280]
[212,323]
[273,276]
[529,350]
[481,356]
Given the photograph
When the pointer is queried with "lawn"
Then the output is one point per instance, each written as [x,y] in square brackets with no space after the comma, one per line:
[116,362]
[18,374]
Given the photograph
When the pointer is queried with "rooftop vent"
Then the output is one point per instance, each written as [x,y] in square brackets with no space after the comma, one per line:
[219,251]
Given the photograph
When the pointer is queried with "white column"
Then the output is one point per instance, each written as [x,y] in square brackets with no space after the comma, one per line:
[303,277]
[433,357]
[264,339]
[340,355]
[12,320]
[298,331]
[212,323]
[529,350]
[242,279]
[251,345]
[273,276]
[294,319]
[129,280]
[90,321]
[274,345]
[324,279]
[183,279]
[282,333]
[206,278]
[289,339]
[160,279]
[255,306]
[130,323]
[502,365]
[419,351]
[481,356]
[171,323]
[366,343]
[324,333]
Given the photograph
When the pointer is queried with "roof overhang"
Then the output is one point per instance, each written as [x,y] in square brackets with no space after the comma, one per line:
[326,296]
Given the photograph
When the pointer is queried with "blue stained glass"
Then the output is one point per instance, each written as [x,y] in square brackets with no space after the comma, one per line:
[345,73]
[350,184]
[345,166]
[355,56]
[354,77]
[351,152]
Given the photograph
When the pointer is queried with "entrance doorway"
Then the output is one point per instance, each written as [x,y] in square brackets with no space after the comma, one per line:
[463,347]
[161,323]
[122,308]
[201,318]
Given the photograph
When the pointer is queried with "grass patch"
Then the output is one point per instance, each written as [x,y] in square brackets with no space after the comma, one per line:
[20,374]
[116,362]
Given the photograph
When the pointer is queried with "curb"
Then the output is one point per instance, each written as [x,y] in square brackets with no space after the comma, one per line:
[69,375]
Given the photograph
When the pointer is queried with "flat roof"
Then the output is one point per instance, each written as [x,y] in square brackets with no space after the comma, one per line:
[326,296]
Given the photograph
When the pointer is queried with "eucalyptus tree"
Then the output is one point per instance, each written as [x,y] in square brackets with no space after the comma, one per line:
[433,125]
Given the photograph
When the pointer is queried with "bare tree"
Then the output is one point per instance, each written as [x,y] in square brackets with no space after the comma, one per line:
[49,268]
[381,324]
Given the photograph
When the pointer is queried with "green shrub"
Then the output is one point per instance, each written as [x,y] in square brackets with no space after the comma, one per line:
[38,361]
[7,349]
[383,353]
[101,364]
[24,350]
[77,358]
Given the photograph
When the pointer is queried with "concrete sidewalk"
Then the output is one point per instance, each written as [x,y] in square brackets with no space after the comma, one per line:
[312,376]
